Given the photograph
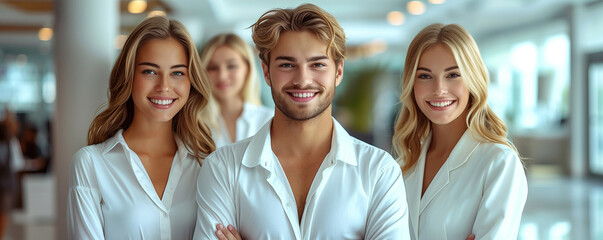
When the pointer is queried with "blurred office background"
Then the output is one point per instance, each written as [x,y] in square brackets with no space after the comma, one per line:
[545,59]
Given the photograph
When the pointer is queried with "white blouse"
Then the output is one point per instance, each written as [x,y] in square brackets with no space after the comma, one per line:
[251,120]
[357,193]
[481,189]
[112,197]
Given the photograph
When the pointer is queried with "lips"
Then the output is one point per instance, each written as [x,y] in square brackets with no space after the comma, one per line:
[302,96]
[222,86]
[441,103]
[162,102]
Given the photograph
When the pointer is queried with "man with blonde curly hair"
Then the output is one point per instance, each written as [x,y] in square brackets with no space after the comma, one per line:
[302,176]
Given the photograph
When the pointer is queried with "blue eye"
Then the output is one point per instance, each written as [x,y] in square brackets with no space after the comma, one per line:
[148,71]
[178,74]
[286,65]
[454,75]
[233,66]
[423,76]
[319,65]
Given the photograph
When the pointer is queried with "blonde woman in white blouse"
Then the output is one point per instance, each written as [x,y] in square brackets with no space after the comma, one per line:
[237,112]
[136,179]
[463,178]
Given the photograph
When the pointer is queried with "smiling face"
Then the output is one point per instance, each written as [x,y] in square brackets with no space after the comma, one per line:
[161,81]
[228,72]
[439,89]
[301,76]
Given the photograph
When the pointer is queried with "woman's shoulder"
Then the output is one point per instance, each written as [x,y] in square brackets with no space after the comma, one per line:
[85,156]
[497,155]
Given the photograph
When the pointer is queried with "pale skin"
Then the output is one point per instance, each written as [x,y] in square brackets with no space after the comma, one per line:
[301,136]
[228,72]
[443,97]
[161,74]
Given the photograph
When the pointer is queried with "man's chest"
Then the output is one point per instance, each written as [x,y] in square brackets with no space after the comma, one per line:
[335,205]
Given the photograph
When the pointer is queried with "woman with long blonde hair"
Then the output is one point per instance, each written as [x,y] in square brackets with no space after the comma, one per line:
[463,177]
[235,111]
[137,177]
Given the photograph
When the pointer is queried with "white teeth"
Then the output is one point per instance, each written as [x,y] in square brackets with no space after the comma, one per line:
[162,102]
[303,95]
[440,104]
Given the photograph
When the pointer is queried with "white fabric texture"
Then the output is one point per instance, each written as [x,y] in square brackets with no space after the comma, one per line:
[481,189]
[357,193]
[112,197]
[251,120]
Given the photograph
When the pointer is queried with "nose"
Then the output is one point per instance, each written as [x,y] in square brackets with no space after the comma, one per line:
[222,73]
[440,87]
[164,84]
[303,77]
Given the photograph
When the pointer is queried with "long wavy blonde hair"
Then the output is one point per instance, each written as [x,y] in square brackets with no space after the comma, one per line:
[188,124]
[251,87]
[412,126]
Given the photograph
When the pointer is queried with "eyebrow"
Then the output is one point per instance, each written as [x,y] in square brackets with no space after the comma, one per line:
[451,68]
[292,59]
[445,70]
[157,66]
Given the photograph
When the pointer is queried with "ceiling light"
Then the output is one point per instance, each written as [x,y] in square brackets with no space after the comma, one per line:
[137,6]
[45,34]
[415,7]
[437,1]
[395,18]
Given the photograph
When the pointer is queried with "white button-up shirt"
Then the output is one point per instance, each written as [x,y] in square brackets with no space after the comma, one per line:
[357,193]
[111,196]
[480,189]
[251,120]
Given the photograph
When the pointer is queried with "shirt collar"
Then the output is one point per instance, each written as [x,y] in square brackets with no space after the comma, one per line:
[112,142]
[342,144]
[259,151]
[118,139]
[462,150]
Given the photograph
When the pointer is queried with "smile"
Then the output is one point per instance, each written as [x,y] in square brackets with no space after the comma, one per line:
[162,101]
[303,95]
[441,103]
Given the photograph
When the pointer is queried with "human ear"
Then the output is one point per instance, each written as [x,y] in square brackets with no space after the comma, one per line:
[266,71]
[339,73]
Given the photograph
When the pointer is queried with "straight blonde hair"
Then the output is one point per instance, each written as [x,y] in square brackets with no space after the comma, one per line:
[188,124]
[412,126]
[251,87]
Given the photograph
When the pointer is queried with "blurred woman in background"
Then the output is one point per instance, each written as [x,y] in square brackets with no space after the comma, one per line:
[237,112]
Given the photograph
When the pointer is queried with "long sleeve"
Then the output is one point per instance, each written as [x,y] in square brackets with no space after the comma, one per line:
[504,196]
[388,216]
[84,215]
[214,197]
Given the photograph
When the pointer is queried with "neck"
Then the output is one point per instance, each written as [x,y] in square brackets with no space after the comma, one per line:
[445,137]
[150,137]
[298,138]
[231,109]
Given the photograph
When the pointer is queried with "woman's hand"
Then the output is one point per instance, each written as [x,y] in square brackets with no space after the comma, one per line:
[229,233]
[471,237]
